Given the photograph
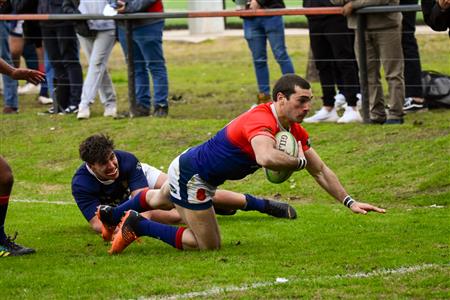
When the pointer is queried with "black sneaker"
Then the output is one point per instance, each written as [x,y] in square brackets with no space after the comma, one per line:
[10,248]
[72,109]
[105,215]
[139,111]
[161,111]
[412,105]
[280,209]
[394,122]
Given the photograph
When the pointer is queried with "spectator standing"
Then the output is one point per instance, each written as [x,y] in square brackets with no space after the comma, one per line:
[11,101]
[332,46]
[413,71]
[384,46]
[97,38]
[259,30]
[436,14]
[148,55]
[61,44]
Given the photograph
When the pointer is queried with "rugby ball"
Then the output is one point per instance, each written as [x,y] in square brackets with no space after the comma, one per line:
[286,142]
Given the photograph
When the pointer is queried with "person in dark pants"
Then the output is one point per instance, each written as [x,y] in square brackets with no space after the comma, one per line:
[332,47]
[413,84]
[61,44]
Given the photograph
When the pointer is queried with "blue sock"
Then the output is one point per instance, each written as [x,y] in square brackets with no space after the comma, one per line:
[254,203]
[136,203]
[166,233]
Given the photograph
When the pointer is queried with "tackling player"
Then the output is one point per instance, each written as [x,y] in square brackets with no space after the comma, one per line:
[109,177]
[239,149]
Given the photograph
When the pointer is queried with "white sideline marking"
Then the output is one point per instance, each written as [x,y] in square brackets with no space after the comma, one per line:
[43,201]
[220,290]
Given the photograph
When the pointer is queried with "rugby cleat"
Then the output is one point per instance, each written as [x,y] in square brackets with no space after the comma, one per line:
[9,248]
[126,234]
[279,209]
[105,215]
[224,212]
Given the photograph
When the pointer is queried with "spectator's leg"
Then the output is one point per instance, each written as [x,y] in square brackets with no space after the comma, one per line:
[10,98]
[142,83]
[150,44]
[274,27]
[391,55]
[256,39]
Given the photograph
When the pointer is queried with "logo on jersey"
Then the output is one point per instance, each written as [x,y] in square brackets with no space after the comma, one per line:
[201,194]
[173,190]
[138,166]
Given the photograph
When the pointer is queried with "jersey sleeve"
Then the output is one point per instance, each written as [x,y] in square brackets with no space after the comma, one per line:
[84,198]
[258,123]
[301,135]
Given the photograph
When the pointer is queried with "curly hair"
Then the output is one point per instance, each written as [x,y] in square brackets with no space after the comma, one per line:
[96,149]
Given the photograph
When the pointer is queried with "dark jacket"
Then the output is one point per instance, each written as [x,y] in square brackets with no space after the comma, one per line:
[41,7]
[434,16]
[81,26]
[317,3]
[271,3]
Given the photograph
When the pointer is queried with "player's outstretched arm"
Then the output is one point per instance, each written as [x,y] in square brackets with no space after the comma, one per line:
[326,178]
[29,75]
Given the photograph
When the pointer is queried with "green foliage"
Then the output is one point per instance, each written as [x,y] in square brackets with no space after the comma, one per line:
[404,169]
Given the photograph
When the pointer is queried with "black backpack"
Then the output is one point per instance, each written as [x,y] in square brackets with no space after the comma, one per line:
[436,89]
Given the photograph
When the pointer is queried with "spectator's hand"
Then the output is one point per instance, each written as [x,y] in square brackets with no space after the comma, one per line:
[347,9]
[364,208]
[121,6]
[444,4]
[254,5]
[33,76]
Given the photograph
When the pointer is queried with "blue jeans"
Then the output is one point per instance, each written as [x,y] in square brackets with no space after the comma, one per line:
[148,55]
[9,84]
[257,31]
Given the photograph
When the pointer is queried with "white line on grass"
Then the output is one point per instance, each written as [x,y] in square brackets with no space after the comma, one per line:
[220,290]
[43,201]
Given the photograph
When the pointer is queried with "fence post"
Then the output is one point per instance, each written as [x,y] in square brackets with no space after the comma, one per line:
[362,55]
[130,67]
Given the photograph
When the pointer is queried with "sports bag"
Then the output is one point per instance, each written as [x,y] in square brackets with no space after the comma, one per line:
[436,89]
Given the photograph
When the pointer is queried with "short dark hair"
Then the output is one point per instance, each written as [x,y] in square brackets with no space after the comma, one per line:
[286,85]
[96,149]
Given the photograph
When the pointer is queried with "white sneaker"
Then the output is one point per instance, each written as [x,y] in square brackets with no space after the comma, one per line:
[323,115]
[29,89]
[340,102]
[351,115]
[110,111]
[83,112]
[359,102]
[45,100]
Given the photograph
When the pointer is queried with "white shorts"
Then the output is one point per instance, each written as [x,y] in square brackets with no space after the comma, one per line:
[187,188]
[151,173]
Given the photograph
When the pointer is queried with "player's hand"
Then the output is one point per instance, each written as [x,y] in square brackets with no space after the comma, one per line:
[364,208]
[254,5]
[121,6]
[33,76]
[348,9]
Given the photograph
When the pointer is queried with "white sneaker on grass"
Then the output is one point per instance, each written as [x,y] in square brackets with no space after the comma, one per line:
[110,111]
[323,115]
[83,112]
[351,115]
[45,100]
[28,89]
[340,102]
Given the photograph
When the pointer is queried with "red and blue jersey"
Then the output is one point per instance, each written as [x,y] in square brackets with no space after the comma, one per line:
[89,192]
[229,154]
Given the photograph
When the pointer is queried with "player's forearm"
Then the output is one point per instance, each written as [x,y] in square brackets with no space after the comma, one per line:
[5,68]
[330,183]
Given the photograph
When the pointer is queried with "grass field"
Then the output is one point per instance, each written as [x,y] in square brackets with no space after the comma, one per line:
[328,252]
